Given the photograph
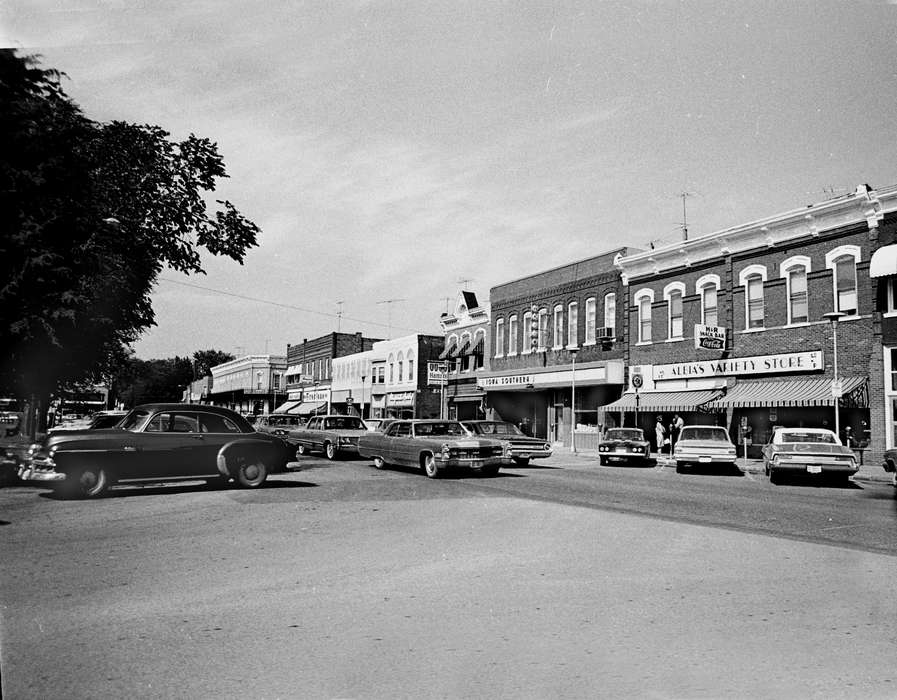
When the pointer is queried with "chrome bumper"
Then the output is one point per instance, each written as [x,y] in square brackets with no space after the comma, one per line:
[37,474]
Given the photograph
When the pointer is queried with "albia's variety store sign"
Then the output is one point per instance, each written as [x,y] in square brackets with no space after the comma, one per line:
[756,364]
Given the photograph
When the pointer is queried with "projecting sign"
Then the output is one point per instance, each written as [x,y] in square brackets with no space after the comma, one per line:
[710,337]
[437,373]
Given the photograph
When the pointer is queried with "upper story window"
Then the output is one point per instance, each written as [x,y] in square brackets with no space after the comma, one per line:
[410,368]
[610,311]
[479,349]
[643,300]
[843,263]
[467,348]
[752,278]
[276,380]
[572,325]
[528,336]
[591,319]
[499,337]
[795,270]
[512,335]
[673,294]
[392,370]
[558,326]
[708,290]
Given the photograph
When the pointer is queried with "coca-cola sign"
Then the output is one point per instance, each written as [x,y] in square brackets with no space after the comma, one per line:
[710,337]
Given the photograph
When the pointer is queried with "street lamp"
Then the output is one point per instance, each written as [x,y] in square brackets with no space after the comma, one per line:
[573,352]
[834,317]
[362,395]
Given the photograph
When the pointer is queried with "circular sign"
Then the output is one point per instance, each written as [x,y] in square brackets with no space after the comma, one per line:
[637,381]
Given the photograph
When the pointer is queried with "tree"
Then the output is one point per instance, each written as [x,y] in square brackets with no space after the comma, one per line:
[90,214]
[204,360]
[152,381]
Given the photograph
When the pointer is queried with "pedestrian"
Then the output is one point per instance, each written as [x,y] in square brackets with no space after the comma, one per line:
[660,433]
[675,428]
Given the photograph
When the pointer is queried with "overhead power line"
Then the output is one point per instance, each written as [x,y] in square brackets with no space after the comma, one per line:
[292,307]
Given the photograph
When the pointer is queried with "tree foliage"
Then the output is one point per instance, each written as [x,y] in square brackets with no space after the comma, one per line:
[90,214]
[204,360]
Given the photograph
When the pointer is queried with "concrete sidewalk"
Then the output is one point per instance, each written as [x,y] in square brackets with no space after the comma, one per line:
[867,472]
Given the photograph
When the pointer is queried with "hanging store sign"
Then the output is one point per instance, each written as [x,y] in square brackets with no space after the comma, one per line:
[710,337]
[437,373]
[321,395]
[736,366]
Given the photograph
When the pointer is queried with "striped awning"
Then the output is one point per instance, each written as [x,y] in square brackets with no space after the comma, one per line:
[884,261]
[815,391]
[460,350]
[285,407]
[448,351]
[478,348]
[308,407]
[663,400]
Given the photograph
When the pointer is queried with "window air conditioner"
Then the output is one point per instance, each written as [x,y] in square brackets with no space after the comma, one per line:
[606,333]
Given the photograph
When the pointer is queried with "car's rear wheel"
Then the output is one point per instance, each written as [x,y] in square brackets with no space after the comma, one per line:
[379,463]
[330,451]
[602,461]
[300,450]
[431,468]
[251,472]
[91,482]
[522,461]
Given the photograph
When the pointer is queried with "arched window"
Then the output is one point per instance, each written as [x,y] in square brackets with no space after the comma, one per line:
[643,300]
[572,325]
[842,261]
[399,367]
[543,329]
[591,321]
[673,294]
[753,278]
[512,335]
[527,331]
[610,313]
[479,349]
[499,337]
[558,326]
[795,270]
[708,289]
[466,350]
[410,358]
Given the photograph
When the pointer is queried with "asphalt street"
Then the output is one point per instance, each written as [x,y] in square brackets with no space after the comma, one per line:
[564,579]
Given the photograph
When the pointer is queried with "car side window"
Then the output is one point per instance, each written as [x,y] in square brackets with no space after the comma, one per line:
[212,423]
[155,424]
[403,430]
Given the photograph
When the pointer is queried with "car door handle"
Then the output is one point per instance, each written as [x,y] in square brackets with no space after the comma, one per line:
[195,437]
[129,449]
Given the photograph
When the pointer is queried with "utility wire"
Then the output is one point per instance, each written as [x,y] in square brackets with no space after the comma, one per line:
[280,304]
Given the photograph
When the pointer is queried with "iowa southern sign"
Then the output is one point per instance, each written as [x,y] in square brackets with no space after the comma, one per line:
[710,337]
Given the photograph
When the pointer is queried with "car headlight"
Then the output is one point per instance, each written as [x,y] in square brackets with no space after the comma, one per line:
[446,451]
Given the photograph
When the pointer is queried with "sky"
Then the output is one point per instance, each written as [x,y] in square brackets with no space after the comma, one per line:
[395,153]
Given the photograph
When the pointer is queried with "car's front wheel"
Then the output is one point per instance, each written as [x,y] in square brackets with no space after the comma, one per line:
[330,451]
[251,473]
[431,468]
[379,463]
[91,482]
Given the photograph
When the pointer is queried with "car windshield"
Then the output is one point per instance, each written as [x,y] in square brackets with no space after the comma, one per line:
[802,436]
[446,428]
[624,434]
[496,428]
[344,423]
[701,433]
[135,420]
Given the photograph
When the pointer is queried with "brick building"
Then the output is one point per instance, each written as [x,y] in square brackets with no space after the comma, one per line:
[310,372]
[735,328]
[466,356]
[543,327]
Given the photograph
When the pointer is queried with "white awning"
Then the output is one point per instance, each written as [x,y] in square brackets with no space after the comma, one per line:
[884,261]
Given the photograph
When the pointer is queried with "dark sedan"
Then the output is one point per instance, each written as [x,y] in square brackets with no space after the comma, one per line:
[155,443]
[523,447]
[624,445]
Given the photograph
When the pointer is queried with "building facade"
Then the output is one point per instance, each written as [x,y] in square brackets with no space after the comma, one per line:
[466,356]
[557,349]
[400,387]
[253,384]
[739,328]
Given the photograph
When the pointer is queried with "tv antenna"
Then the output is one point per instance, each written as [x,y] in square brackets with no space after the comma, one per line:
[446,300]
[389,303]
[465,282]
[339,315]
[684,217]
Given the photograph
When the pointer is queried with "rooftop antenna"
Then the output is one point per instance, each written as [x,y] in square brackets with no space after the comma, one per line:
[465,282]
[339,315]
[684,218]
[389,303]
[446,300]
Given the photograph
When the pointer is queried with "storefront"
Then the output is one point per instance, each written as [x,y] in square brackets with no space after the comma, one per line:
[400,404]
[539,400]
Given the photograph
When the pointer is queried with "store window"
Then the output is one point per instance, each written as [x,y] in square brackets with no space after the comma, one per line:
[753,278]
[673,294]
[543,329]
[558,327]
[512,335]
[478,350]
[499,337]
[591,320]
[527,331]
[572,325]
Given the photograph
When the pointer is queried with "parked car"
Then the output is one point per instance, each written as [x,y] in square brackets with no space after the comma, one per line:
[703,444]
[378,423]
[96,421]
[279,424]
[807,451]
[154,443]
[523,447]
[435,446]
[890,463]
[334,435]
[624,445]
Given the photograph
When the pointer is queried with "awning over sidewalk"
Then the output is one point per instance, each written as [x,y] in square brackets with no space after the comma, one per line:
[884,261]
[663,400]
[307,407]
[815,391]
[448,351]
[285,407]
